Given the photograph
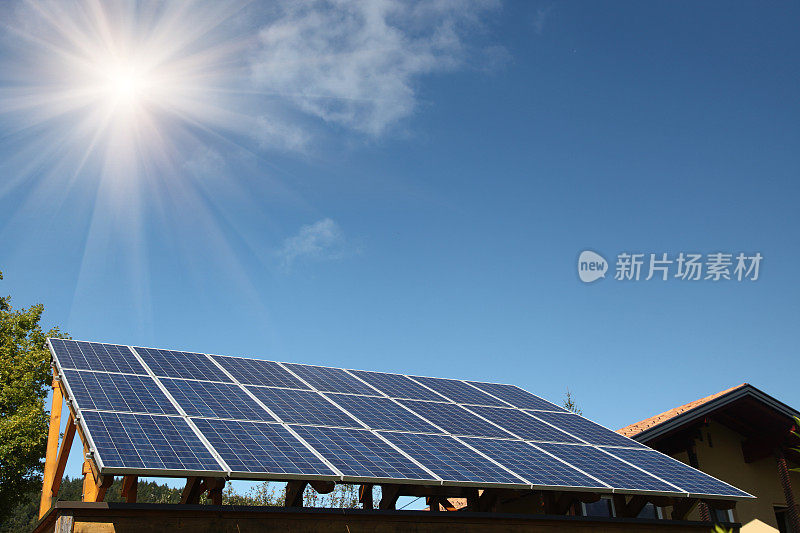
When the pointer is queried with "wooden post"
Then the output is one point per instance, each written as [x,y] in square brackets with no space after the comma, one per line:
[365,496]
[50,462]
[192,491]
[294,493]
[130,488]
[63,454]
[389,495]
[215,486]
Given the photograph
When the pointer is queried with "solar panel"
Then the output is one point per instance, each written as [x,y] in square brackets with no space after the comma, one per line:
[117,392]
[397,386]
[686,477]
[260,447]
[382,413]
[259,372]
[606,468]
[302,407]
[331,379]
[585,429]
[459,392]
[161,412]
[125,441]
[454,419]
[451,460]
[359,453]
[173,364]
[96,356]
[217,400]
[522,425]
[516,396]
[533,464]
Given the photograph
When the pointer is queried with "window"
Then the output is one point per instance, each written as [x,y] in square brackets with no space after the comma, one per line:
[650,511]
[602,507]
[784,526]
[723,515]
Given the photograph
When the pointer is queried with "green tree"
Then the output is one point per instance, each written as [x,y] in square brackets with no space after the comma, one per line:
[570,405]
[24,380]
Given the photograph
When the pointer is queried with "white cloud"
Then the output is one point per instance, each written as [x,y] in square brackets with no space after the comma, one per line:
[540,18]
[355,64]
[322,240]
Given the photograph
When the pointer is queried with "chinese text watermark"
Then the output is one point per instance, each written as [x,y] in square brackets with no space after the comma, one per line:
[684,266]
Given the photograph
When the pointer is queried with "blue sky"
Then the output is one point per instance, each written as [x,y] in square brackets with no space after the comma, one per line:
[407,189]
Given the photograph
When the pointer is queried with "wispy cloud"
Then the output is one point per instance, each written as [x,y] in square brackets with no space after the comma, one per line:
[356,64]
[323,240]
[540,18]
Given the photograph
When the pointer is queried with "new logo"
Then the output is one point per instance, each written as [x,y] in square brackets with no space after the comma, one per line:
[591,266]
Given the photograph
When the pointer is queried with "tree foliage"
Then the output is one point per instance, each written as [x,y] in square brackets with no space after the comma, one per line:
[24,380]
[570,405]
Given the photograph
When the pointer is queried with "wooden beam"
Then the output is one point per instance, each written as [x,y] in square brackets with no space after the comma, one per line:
[130,488]
[215,485]
[192,490]
[389,495]
[629,507]
[102,487]
[487,501]
[365,496]
[682,508]
[52,448]
[323,487]
[63,455]
[472,499]
[294,493]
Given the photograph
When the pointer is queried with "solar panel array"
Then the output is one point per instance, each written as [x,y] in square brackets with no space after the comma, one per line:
[160,412]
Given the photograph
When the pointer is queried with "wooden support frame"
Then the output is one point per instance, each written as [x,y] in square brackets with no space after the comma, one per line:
[629,507]
[52,447]
[130,488]
[365,497]
[63,454]
[389,495]
[682,508]
[294,493]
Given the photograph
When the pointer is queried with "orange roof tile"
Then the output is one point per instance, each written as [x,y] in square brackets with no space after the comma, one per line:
[638,427]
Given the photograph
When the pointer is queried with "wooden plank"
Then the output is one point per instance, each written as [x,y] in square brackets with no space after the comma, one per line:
[130,488]
[323,487]
[51,455]
[683,507]
[63,455]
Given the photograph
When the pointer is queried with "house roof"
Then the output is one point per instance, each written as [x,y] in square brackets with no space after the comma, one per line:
[654,426]
[647,423]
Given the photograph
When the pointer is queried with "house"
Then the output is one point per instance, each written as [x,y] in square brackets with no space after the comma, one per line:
[740,435]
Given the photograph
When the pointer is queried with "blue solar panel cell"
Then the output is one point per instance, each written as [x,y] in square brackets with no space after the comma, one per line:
[459,392]
[359,453]
[173,364]
[397,386]
[451,460]
[259,372]
[96,356]
[331,379]
[147,442]
[522,425]
[585,429]
[686,477]
[215,400]
[454,419]
[117,392]
[517,397]
[259,447]
[533,464]
[302,407]
[606,468]
[382,413]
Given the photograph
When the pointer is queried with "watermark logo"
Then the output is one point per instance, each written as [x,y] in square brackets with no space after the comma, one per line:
[683,266]
[591,266]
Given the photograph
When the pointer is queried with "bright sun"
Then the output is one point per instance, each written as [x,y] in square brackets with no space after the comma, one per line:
[125,84]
